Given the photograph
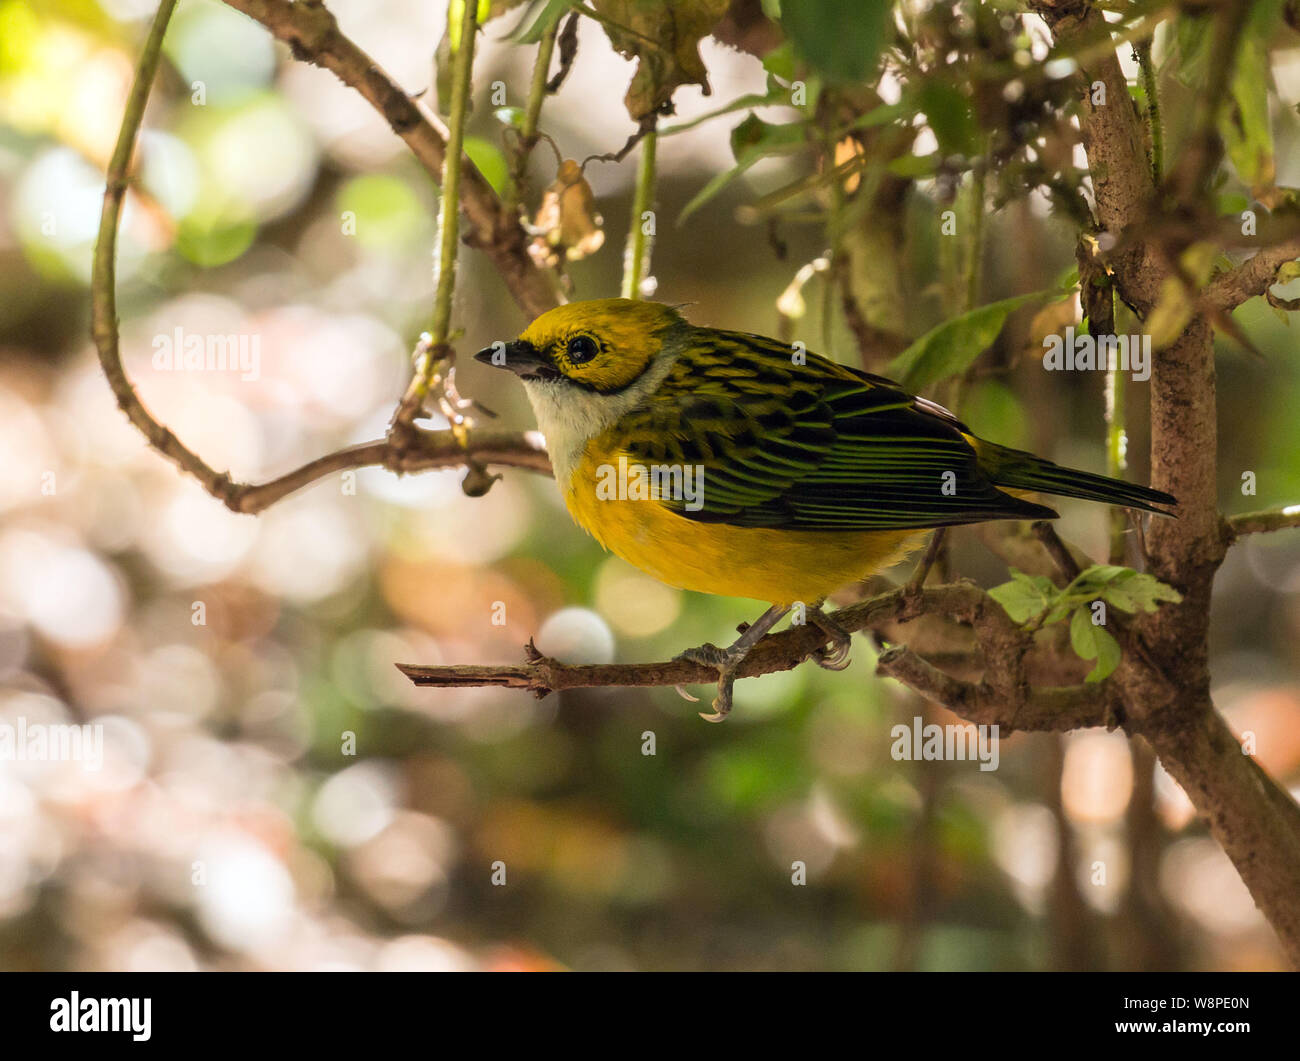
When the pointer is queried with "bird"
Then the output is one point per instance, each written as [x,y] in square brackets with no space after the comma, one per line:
[733,464]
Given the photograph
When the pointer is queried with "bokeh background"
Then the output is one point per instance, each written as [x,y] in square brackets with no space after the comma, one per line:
[223,738]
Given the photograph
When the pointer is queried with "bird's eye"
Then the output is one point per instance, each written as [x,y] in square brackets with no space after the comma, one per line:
[582,348]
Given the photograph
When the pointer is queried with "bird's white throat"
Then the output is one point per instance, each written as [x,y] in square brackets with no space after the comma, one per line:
[570,416]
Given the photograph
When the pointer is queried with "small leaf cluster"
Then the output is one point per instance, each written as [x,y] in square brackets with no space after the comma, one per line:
[1034,602]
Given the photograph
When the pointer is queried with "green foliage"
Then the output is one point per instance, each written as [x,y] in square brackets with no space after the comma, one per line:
[840,39]
[1092,641]
[1035,601]
[947,108]
[751,140]
[540,18]
[1245,126]
[490,161]
[954,345]
[1244,121]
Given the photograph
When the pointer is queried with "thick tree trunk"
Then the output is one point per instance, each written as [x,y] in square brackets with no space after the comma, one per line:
[1167,694]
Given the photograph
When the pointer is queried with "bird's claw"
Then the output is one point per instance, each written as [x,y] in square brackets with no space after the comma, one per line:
[726,663]
[833,656]
[721,705]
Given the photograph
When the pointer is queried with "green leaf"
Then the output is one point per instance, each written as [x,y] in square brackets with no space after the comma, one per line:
[914,165]
[880,115]
[489,160]
[954,345]
[1101,575]
[780,61]
[1140,591]
[1287,272]
[511,116]
[1190,53]
[550,14]
[751,140]
[841,39]
[1245,126]
[765,138]
[948,112]
[1069,279]
[719,181]
[1093,642]
[740,103]
[1024,596]
[1231,203]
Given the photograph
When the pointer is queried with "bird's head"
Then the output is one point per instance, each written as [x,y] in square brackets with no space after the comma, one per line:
[585,364]
[601,346]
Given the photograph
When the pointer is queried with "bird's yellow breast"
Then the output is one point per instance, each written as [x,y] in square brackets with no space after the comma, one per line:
[765,564]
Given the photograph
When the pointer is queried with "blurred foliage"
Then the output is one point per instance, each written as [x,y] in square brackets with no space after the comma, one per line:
[274,794]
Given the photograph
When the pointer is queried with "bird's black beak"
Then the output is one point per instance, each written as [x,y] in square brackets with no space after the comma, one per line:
[521,358]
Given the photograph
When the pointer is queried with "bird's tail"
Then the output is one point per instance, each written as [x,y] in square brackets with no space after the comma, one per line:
[1017,470]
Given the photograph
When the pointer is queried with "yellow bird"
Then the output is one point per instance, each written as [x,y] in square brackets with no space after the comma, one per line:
[733,464]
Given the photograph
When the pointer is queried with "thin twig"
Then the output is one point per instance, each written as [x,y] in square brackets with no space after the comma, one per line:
[1003,696]
[643,130]
[452,164]
[1263,522]
[313,35]
[568,52]
[421,450]
[528,130]
[434,355]
[636,258]
[103,280]
[1155,123]
[1057,549]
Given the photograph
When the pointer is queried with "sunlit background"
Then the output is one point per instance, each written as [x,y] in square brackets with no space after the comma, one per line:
[227,656]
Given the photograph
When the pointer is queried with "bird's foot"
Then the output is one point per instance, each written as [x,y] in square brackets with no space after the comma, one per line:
[834,656]
[727,661]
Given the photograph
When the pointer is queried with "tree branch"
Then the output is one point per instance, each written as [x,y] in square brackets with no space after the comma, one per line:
[1166,685]
[1003,696]
[313,35]
[422,451]
[418,449]
[1252,277]
[1262,522]
[1048,710]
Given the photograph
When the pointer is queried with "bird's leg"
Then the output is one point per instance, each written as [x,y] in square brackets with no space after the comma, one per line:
[912,590]
[836,655]
[726,661]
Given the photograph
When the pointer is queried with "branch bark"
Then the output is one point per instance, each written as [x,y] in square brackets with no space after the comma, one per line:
[1252,277]
[1002,696]
[313,35]
[1166,688]
[414,450]
[1263,522]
